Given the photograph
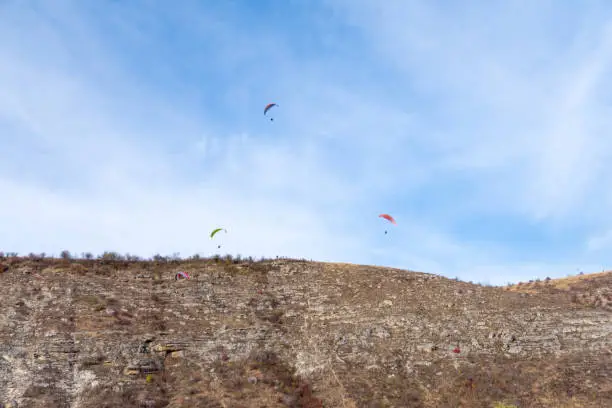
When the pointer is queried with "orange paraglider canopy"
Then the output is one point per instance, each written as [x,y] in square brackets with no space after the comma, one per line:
[268,107]
[388,218]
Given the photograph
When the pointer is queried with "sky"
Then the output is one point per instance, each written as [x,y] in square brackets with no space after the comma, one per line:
[482,127]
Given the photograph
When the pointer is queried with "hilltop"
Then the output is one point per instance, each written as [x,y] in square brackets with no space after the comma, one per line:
[290,333]
[589,289]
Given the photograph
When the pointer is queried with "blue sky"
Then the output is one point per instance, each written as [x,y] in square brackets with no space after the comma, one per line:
[483,127]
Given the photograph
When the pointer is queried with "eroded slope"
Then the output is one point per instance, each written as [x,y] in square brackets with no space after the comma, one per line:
[290,333]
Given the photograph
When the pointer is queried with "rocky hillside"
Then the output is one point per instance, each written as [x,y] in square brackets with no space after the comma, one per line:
[594,289]
[289,333]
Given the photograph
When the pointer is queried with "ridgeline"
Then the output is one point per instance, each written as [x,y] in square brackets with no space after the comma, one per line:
[124,332]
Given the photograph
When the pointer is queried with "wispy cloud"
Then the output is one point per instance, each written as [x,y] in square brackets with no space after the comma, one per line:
[138,127]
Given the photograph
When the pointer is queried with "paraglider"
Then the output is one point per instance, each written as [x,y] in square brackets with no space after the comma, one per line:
[268,107]
[214,232]
[388,218]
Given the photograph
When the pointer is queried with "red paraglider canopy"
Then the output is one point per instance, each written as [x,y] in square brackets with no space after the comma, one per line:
[388,218]
[268,107]
[182,275]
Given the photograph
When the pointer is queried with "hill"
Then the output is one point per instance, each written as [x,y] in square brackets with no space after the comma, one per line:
[590,289]
[290,333]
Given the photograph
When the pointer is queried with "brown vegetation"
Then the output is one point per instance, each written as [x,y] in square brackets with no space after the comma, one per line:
[119,331]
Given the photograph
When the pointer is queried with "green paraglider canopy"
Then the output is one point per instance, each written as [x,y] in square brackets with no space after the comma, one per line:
[212,234]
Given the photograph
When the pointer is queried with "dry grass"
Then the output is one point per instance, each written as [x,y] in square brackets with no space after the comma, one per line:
[565,284]
[270,378]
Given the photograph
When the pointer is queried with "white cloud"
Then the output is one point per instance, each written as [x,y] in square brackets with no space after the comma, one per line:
[600,242]
[134,195]
[119,138]
[538,125]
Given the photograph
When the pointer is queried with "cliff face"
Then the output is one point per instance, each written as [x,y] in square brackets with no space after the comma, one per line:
[292,333]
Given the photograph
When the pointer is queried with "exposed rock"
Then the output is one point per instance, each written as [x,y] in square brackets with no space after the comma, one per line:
[291,332]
